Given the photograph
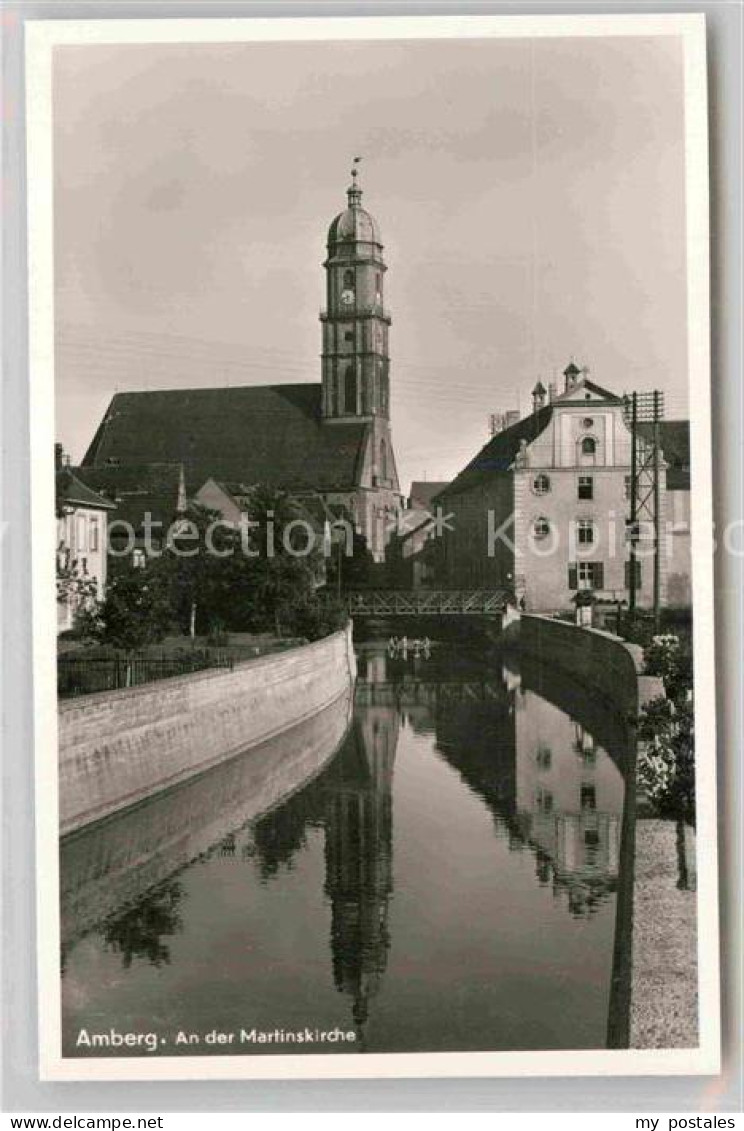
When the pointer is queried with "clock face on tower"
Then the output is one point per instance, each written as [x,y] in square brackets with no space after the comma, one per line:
[347,297]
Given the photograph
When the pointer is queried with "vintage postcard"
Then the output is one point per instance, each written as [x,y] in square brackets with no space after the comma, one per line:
[370,393]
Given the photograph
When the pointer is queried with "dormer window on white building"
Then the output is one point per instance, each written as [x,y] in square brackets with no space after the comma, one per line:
[541,484]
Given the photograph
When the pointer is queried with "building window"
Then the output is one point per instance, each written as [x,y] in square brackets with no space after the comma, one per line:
[628,486]
[541,484]
[138,558]
[540,528]
[544,801]
[636,571]
[586,575]
[544,757]
[588,450]
[586,487]
[350,390]
[585,531]
[383,460]
[94,534]
[348,279]
[348,335]
[588,797]
[80,539]
[588,422]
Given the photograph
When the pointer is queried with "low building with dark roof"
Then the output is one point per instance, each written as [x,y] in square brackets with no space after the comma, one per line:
[148,497]
[423,493]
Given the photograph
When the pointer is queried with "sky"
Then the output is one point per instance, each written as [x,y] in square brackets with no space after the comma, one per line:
[530,196]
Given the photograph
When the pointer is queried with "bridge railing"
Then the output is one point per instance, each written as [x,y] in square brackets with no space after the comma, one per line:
[426,602]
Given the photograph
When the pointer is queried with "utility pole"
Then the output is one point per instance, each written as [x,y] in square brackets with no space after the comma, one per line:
[645,487]
[633,504]
[657,509]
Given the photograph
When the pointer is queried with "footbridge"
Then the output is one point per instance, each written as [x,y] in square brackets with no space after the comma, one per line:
[426,602]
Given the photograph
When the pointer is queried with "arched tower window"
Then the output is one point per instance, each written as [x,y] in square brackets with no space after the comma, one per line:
[348,279]
[350,390]
[383,460]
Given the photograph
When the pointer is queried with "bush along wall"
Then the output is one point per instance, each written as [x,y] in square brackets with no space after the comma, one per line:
[666,731]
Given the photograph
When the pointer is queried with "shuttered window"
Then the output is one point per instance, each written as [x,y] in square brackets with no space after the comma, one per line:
[637,572]
[586,575]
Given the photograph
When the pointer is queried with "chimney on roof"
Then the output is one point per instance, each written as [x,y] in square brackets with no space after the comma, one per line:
[538,396]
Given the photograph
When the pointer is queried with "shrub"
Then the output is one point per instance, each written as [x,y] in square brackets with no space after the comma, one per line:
[314,619]
[666,757]
[670,657]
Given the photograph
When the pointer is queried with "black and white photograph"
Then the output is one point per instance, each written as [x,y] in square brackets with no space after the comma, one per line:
[375,731]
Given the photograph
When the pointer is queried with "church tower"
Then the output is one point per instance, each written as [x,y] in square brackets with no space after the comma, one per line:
[355,360]
[356,366]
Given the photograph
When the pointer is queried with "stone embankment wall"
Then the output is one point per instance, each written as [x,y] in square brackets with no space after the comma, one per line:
[117,748]
[108,866]
[612,667]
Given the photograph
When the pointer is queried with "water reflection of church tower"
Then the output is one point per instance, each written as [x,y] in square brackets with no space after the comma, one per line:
[359,855]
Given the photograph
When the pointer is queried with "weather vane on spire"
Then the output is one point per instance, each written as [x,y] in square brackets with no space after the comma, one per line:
[355,171]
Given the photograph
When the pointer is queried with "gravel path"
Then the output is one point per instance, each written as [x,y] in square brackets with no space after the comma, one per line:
[664,1008]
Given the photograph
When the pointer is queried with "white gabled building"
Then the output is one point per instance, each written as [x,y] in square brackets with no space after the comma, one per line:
[82,538]
[542,510]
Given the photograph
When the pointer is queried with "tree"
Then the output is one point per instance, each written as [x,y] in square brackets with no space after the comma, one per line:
[136,611]
[286,566]
[198,565]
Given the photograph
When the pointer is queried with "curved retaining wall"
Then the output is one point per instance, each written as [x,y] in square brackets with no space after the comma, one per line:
[609,665]
[117,748]
[108,866]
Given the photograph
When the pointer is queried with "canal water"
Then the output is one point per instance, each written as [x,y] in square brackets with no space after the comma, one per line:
[450,880]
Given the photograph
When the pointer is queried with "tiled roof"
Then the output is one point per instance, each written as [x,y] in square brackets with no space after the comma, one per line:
[577,392]
[675,447]
[138,489]
[423,491]
[71,491]
[498,454]
[266,434]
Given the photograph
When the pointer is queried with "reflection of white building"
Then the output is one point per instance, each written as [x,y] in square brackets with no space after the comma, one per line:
[82,517]
[569,799]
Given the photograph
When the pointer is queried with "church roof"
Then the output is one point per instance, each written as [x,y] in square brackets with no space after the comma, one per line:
[354,224]
[499,453]
[248,434]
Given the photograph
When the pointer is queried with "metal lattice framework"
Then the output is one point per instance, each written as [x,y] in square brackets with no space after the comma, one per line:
[426,602]
[428,692]
[644,521]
